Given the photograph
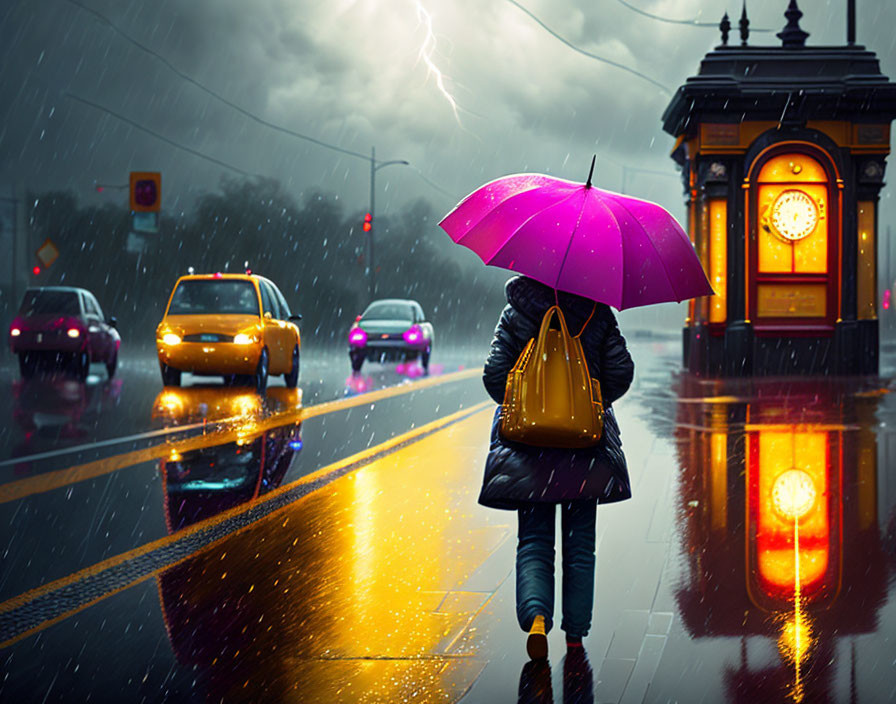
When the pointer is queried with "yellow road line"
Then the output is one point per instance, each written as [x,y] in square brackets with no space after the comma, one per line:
[359,458]
[48,481]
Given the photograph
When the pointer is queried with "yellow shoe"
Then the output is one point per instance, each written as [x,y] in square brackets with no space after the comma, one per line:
[537,643]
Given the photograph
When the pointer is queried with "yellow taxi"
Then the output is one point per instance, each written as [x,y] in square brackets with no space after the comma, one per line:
[238,326]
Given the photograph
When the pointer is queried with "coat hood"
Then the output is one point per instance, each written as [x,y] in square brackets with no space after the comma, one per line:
[532,298]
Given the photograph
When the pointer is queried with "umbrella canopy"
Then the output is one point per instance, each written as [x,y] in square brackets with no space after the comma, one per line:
[577,238]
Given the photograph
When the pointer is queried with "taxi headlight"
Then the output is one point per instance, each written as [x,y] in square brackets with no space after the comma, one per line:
[169,338]
[243,339]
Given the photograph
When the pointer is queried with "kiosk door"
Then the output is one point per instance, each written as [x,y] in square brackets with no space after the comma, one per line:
[793,278]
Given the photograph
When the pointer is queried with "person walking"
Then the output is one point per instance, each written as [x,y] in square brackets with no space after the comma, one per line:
[583,249]
[534,480]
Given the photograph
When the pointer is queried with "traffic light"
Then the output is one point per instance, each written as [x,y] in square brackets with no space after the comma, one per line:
[368,223]
[146,191]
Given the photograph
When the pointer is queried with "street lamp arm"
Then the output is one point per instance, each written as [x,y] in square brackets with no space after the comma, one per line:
[379,166]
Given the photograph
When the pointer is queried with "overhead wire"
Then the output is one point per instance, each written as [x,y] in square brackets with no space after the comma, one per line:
[589,54]
[208,91]
[669,20]
[135,125]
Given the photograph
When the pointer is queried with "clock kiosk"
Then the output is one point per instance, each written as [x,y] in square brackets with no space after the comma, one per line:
[783,152]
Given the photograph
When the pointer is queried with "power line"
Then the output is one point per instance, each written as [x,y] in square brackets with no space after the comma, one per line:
[588,53]
[434,184]
[255,118]
[148,131]
[690,23]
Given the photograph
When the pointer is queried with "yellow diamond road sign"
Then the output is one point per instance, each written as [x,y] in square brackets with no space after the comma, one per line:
[48,253]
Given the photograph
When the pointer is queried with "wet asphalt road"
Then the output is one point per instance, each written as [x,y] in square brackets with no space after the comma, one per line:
[328,546]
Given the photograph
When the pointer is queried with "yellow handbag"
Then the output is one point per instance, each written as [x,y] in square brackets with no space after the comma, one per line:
[550,399]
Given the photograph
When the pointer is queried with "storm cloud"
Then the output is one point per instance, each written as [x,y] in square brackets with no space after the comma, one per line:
[350,73]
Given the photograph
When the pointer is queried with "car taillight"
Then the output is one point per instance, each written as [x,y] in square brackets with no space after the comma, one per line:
[15,332]
[73,332]
[357,337]
[413,335]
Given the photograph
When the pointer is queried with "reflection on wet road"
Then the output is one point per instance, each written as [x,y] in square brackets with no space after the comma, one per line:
[779,492]
[276,550]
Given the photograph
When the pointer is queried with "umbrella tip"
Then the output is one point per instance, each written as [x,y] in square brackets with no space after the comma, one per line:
[591,172]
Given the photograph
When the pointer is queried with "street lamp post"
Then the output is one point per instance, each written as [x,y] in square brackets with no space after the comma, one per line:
[374,167]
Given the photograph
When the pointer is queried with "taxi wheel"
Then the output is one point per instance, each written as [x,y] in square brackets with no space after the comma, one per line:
[261,373]
[292,378]
[170,375]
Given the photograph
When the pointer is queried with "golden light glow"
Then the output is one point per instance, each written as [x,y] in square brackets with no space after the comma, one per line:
[793,494]
[796,640]
[169,338]
[782,452]
[792,211]
[718,479]
[692,234]
[358,592]
[867,269]
[784,166]
[791,300]
[793,215]
[718,259]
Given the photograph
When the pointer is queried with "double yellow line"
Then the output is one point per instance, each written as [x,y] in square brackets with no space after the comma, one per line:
[331,471]
[22,488]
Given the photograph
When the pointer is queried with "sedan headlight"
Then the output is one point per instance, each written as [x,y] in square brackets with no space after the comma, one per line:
[169,338]
[243,339]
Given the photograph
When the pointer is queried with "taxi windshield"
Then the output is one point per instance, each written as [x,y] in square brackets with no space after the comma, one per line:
[388,311]
[199,296]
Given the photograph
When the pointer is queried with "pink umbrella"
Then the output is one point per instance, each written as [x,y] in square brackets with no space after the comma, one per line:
[573,237]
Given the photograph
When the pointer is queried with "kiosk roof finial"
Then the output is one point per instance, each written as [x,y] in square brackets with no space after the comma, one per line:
[792,36]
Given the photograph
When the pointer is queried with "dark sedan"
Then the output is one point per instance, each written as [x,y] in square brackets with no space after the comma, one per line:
[390,329]
[63,326]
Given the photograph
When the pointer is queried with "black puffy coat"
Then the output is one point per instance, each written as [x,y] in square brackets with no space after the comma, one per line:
[517,474]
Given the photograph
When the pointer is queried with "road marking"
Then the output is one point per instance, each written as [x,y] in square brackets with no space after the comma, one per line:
[48,481]
[421,384]
[21,616]
[105,443]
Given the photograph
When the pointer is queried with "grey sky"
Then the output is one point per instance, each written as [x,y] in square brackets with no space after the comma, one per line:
[350,72]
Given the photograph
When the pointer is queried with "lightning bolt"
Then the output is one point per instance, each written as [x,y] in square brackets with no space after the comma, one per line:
[426,52]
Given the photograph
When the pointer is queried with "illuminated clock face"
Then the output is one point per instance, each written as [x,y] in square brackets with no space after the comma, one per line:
[794,215]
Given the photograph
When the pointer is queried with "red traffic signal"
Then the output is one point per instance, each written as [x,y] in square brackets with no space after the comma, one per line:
[35,270]
[368,223]
[146,191]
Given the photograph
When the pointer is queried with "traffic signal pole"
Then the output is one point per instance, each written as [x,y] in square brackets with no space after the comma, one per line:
[370,264]
[374,167]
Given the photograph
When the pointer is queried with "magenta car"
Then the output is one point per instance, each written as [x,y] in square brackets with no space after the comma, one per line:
[390,329]
[63,326]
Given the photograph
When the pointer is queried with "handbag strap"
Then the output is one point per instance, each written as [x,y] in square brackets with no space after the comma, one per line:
[557,305]
[593,311]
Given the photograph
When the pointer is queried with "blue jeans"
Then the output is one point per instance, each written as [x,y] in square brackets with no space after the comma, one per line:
[535,565]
